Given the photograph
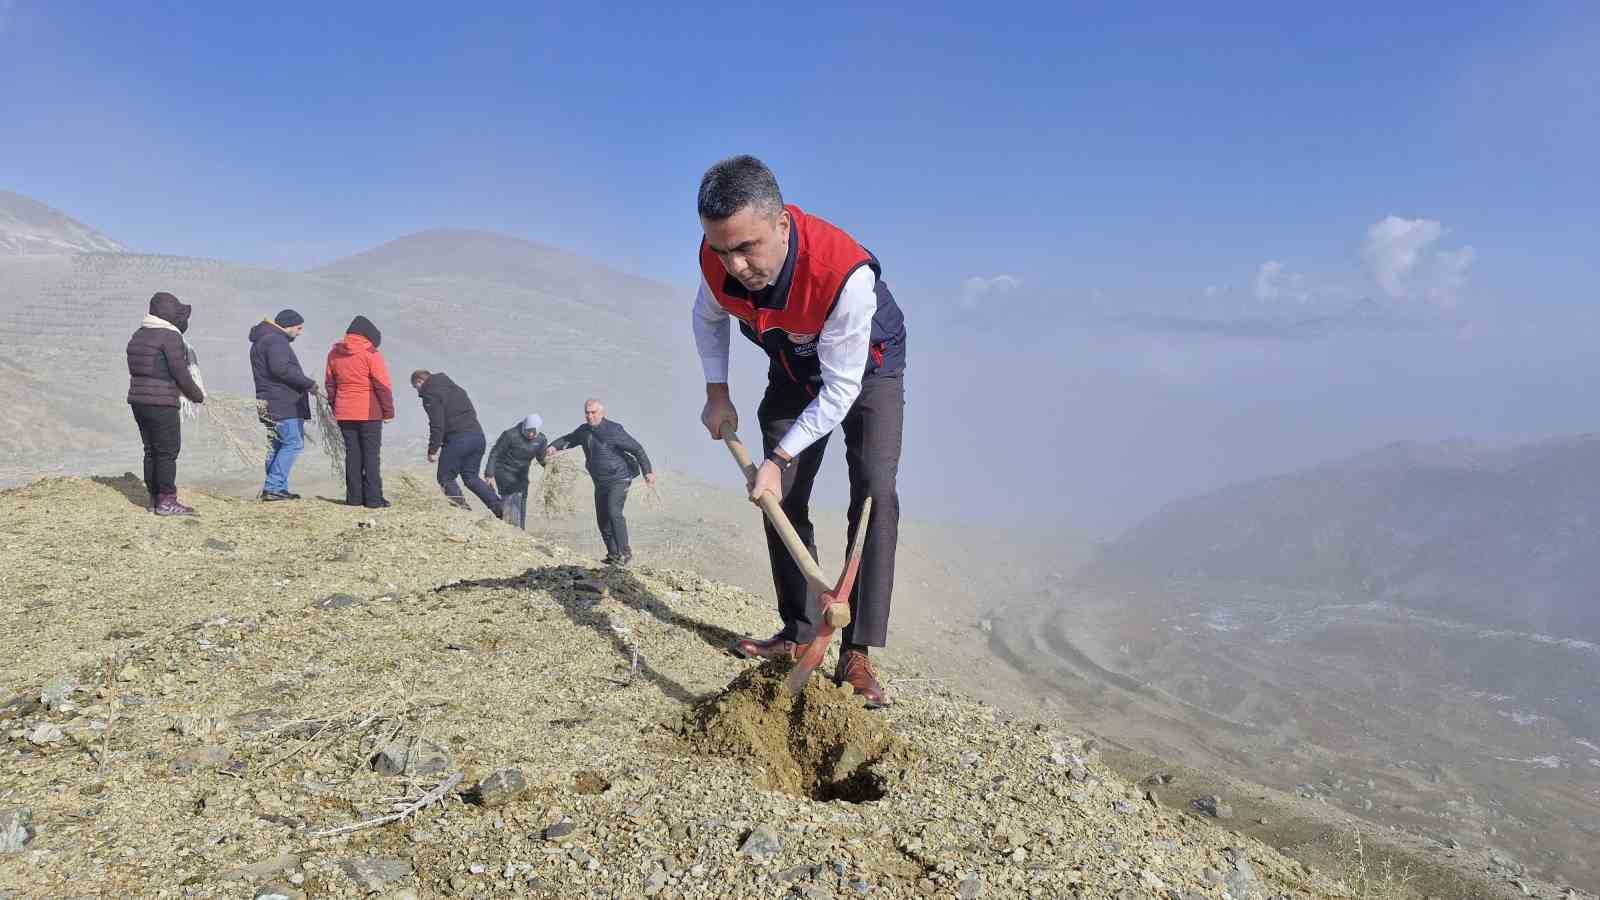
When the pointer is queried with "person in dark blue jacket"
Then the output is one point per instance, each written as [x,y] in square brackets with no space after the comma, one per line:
[613,458]
[282,397]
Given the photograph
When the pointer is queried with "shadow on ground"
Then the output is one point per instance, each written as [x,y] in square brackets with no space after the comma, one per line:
[128,485]
[578,589]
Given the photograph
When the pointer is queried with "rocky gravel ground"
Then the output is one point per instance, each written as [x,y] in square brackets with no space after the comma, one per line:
[305,700]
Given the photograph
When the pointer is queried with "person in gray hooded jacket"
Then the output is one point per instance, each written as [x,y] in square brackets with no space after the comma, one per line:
[510,463]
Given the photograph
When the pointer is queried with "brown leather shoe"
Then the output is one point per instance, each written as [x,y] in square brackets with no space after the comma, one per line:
[855,669]
[775,647]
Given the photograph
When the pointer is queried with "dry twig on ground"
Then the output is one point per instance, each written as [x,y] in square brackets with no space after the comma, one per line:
[401,810]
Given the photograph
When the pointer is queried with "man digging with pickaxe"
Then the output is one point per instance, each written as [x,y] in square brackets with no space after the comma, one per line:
[811,297]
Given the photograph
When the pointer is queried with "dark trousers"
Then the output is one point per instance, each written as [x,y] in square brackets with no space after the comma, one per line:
[514,508]
[163,438]
[609,496]
[872,432]
[462,455]
[363,449]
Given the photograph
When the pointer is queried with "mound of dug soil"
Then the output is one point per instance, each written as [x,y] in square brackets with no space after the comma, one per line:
[822,744]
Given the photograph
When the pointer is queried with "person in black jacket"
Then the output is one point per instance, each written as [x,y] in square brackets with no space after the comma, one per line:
[455,439]
[509,463]
[613,458]
[283,397]
[163,374]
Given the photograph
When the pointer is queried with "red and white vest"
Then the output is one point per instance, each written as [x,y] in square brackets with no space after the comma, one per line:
[786,318]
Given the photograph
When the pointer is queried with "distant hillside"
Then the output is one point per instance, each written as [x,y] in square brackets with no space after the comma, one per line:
[1503,536]
[523,327]
[28,227]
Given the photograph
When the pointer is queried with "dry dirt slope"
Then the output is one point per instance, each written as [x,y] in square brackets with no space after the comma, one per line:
[219,688]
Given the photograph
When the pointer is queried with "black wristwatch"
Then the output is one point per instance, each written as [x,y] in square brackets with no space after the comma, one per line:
[783,464]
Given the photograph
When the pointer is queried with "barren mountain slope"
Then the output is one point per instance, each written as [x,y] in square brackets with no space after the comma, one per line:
[28,227]
[523,329]
[220,690]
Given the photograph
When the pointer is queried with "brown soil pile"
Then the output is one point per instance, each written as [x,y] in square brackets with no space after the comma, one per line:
[823,744]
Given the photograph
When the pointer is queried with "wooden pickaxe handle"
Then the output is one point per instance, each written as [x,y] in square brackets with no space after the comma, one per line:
[775,514]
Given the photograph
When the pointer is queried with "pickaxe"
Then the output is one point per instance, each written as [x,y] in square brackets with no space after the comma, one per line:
[834,603]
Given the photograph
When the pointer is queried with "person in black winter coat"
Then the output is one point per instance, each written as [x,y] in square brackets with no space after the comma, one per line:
[455,439]
[613,459]
[163,374]
[283,397]
[509,463]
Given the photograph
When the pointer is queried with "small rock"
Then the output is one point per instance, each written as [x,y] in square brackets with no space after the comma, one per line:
[214,544]
[57,691]
[402,756]
[970,888]
[851,758]
[374,873]
[560,831]
[1214,807]
[655,882]
[337,601]
[500,788]
[458,883]
[1152,798]
[16,828]
[263,870]
[1242,882]
[209,757]
[279,892]
[589,587]
[762,843]
[46,734]
[1078,774]
[1124,807]
[1453,844]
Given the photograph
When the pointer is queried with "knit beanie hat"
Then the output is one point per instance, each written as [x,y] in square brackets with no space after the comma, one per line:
[288,319]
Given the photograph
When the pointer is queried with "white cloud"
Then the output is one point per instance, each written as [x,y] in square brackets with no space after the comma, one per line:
[1401,257]
[1274,281]
[978,290]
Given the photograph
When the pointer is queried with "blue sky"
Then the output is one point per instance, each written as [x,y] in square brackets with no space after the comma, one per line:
[1212,179]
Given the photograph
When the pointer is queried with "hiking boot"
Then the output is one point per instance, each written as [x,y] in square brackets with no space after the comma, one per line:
[775,647]
[625,557]
[381,504]
[855,669]
[272,496]
[168,505]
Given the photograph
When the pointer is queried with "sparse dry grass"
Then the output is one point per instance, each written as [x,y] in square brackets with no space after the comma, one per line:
[1370,876]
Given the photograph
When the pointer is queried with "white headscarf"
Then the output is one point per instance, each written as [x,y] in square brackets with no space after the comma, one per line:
[185,405]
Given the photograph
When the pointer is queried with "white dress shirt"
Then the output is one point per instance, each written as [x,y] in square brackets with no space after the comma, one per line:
[841,349]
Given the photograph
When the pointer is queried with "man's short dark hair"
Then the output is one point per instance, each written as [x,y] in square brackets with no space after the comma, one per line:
[420,375]
[735,183]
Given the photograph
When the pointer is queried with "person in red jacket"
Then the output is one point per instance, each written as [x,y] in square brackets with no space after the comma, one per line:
[358,386]
[814,300]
